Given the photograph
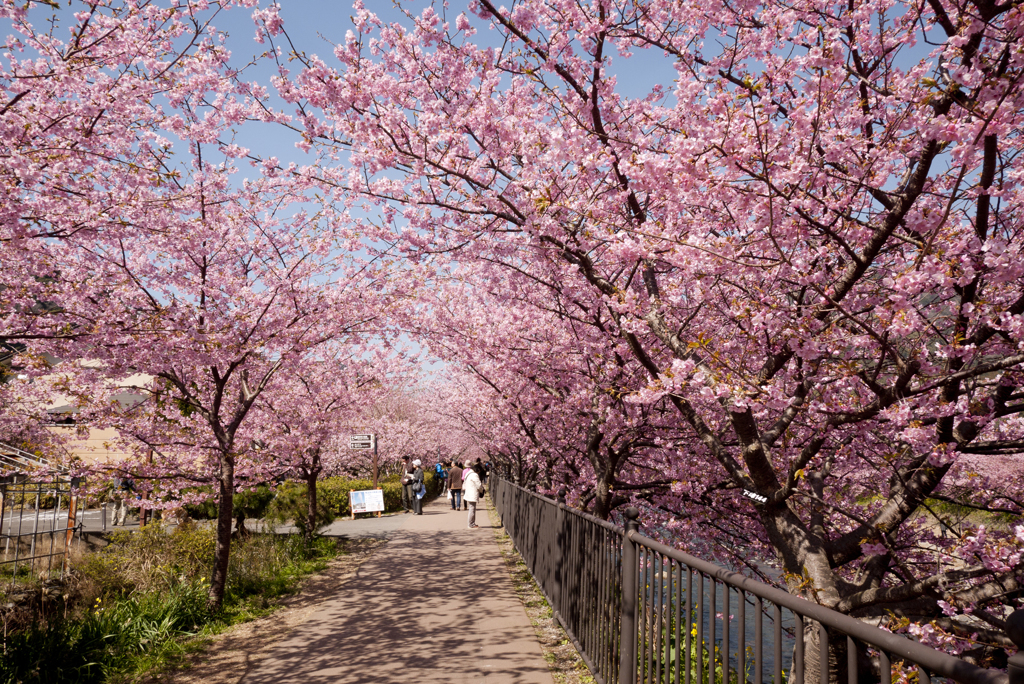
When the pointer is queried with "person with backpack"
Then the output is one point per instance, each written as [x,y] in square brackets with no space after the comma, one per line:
[441,473]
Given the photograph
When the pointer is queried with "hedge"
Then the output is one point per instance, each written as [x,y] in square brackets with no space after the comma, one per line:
[332,492]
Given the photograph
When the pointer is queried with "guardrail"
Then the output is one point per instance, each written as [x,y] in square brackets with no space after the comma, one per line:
[12,458]
[641,612]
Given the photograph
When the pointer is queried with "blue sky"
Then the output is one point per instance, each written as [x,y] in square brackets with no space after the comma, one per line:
[315,25]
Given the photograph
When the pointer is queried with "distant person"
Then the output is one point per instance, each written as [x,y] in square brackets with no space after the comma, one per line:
[455,485]
[123,488]
[474,490]
[419,489]
[408,479]
[441,473]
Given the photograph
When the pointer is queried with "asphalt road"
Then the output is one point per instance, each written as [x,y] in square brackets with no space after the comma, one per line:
[50,519]
[98,520]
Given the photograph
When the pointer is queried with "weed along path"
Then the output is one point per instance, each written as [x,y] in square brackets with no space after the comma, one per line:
[433,604]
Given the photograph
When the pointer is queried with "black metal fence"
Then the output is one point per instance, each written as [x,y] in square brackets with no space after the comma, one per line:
[640,612]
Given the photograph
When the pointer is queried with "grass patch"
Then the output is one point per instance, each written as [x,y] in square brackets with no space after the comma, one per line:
[954,513]
[133,605]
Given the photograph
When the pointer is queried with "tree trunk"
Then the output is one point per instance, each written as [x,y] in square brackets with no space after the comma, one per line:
[836,656]
[311,478]
[603,494]
[222,550]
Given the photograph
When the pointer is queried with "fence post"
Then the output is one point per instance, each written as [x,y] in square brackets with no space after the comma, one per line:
[69,533]
[559,553]
[1015,630]
[630,590]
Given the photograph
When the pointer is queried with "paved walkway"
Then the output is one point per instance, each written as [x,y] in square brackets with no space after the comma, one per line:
[434,604]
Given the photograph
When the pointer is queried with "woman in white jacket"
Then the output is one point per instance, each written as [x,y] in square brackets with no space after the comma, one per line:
[472,489]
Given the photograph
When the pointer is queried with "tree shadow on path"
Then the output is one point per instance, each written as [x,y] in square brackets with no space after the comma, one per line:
[433,605]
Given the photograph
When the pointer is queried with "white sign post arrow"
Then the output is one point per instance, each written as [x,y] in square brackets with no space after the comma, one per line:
[366,441]
[361,442]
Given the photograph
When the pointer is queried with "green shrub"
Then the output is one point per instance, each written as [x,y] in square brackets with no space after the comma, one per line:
[291,503]
[269,566]
[150,559]
[252,504]
[25,498]
[334,492]
[206,510]
[105,639]
[153,591]
[332,498]
[435,485]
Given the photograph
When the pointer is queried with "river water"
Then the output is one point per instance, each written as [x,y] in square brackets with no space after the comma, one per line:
[666,586]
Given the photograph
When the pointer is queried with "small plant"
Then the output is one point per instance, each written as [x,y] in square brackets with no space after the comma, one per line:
[110,637]
[141,595]
[151,559]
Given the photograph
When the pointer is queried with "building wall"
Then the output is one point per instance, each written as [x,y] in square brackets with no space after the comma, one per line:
[99,447]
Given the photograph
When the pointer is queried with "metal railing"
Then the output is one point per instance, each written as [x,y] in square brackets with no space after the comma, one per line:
[641,612]
[576,560]
[38,515]
[15,459]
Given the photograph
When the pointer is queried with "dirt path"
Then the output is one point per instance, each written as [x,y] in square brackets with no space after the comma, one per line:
[236,652]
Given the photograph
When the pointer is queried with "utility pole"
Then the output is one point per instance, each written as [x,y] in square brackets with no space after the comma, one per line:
[144,512]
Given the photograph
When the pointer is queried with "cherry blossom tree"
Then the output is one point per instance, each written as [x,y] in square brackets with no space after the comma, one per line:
[241,287]
[810,244]
[91,103]
[411,420]
[128,241]
[778,304]
[307,417]
[560,380]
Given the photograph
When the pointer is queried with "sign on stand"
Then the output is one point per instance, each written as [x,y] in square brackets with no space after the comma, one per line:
[366,501]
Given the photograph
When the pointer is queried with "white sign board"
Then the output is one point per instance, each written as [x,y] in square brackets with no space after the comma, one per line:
[367,501]
[361,442]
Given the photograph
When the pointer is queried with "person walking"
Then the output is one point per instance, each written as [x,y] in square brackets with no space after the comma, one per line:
[408,479]
[473,491]
[455,485]
[419,489]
